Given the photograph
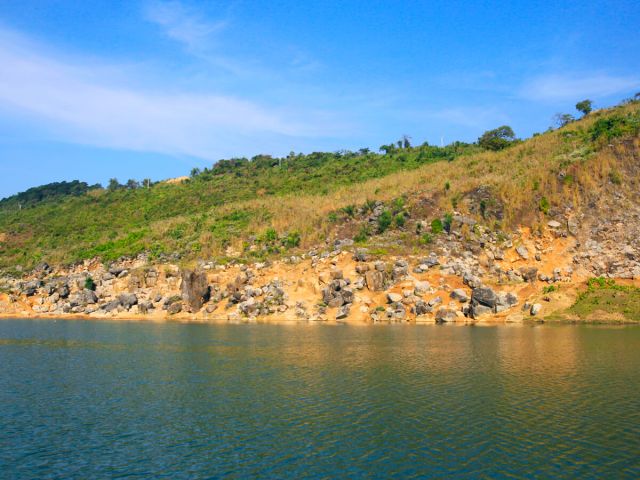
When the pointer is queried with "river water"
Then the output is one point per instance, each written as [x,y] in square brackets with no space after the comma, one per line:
[101,399]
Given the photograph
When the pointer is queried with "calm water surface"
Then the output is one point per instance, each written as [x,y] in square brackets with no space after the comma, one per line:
[96,400]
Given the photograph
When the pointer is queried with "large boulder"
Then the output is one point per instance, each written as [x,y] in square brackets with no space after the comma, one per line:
[484,296]
[444,315]
[128,300]
[375,280]
[83,298]
[195,289]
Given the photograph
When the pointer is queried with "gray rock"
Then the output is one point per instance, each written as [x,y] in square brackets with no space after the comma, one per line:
[460,295]
[484,296]
[174,308]
[394,297]
[110,306]
[477,310]
[523,252]
[422,308]
[375,280]
[444,315]
[554,224]
[435,301]
[195,289]
[343,312]
[128,300]
[471,281]
[535,309]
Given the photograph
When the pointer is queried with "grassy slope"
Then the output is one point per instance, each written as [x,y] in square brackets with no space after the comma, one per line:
[228,206]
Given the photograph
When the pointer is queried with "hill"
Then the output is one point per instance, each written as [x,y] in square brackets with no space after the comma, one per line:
[266,205]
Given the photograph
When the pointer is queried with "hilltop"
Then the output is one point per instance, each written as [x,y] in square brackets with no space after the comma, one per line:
[558,208]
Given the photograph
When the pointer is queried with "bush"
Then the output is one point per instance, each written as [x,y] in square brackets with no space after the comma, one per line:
[292,239]
[426,239]
[448,220]
[362,235]
[544,205]
[436,226]
[384,221]
[615,177]
[399,220]
[89,284]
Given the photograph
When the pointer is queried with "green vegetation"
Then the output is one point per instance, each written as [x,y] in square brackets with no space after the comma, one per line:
[607,296]
[497,139]
[89,284]
[585,107]
[266,205]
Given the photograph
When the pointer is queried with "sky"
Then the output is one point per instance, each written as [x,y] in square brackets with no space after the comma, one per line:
[150,89]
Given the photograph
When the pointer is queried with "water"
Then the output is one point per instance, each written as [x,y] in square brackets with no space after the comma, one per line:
[82,399]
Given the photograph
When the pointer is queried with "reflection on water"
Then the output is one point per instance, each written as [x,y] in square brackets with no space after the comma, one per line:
[109,399]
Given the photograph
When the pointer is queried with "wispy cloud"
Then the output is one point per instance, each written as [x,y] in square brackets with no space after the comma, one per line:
[575,86]
[79,101]
[184,25]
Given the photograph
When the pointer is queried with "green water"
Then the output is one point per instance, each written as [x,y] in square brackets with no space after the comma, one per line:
[84,399]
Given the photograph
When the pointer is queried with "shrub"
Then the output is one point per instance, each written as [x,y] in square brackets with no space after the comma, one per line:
[362,235]
[544,205]
[89,284]
[292,239]
[384,221]
[399,220]
[448,220]
[426,239]
[436,226]
[349,210]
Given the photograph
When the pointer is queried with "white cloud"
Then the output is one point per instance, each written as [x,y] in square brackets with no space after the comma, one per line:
[184,25]
[85,102]
[574,87]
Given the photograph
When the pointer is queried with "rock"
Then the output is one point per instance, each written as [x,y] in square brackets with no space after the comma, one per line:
[505,301]
[174,308]
[336,301]
[484,296]
[375,280]
[128,300]
[195,289]
[460,295]
[471,281]
[421,288]
[336,274]
[553,224]
[572,226]
[361,255]
[444,315]
[343,312]
[435,301]
[394,297]
[362,268]
[535,309]
[477,310]
[523,252]
[110,306]
[529,274]
[144,307]
[83,298]
[422,308]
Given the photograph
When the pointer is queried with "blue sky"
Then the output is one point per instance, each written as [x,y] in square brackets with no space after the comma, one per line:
[135,89]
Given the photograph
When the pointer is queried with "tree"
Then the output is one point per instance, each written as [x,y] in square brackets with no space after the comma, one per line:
[132,184]
[585,106]
[498,138]
[114,185]
[387,149]
[562,119]
[405,141]
[195,172]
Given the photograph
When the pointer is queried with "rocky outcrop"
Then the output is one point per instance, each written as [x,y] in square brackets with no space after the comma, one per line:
[195,290]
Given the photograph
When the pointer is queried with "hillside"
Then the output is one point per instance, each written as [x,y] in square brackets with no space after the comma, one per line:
[278,204]
[358,236]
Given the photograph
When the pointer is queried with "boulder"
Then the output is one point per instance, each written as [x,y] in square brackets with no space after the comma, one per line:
[444,315]
[535,309]
[128,300]
[477,310]
[460,295]
[343,312]
[195,288]
[375,280]
[529,274]
[471,281]
[422,308]
[394,297]
[174,308]
[523,252]
[484,296]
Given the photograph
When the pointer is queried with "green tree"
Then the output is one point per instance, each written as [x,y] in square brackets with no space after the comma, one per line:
[498,138]
[132,184]
[114,185]
[585,106]
[562,119]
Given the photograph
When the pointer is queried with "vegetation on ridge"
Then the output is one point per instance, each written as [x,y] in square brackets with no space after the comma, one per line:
[267,205]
